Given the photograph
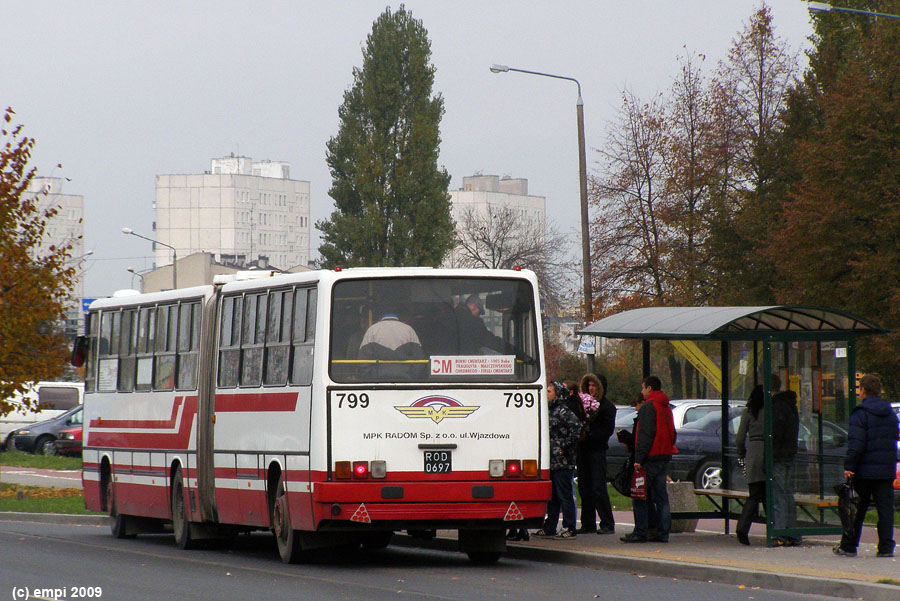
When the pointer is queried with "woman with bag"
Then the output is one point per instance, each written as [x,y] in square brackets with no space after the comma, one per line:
[599,423]
[751,449]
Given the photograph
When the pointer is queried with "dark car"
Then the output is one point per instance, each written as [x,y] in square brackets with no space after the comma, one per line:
[69,441]
[699,457]
[39,438]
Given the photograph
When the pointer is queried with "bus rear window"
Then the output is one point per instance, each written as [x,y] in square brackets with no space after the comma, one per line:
[434,329]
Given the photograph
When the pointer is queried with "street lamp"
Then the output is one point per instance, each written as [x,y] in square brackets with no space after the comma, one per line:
[582,181]
[134,273]
[824,7]
[130,232]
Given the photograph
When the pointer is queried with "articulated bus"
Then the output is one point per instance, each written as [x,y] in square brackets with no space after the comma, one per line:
[333,408]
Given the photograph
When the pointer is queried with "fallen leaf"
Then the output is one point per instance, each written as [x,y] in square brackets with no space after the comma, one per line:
[741,586]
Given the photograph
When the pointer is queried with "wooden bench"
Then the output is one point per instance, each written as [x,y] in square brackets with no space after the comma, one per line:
[807,503]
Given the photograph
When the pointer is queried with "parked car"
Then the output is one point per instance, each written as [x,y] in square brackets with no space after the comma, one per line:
[699,457]
[40,437]
[69,441]
[52,399]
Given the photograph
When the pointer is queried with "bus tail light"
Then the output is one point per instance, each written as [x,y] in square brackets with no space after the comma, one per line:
[495,468]
[360,470]
[379,469]
[529,468]
[513,468]
[342,470]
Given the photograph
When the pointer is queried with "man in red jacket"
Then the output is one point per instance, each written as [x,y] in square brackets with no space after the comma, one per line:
[654,437]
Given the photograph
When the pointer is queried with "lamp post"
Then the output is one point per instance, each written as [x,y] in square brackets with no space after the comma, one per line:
[824,7]
[135,273]
[582,182]
[131,232]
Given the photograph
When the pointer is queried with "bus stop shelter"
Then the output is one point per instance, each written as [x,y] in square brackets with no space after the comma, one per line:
[722,353]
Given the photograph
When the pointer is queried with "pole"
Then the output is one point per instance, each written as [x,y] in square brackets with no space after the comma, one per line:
[585,229]
[174,269]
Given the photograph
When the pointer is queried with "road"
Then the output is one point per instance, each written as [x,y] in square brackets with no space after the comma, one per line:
[68,562]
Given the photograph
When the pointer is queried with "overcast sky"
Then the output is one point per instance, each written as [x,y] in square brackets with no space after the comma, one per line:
[119,92]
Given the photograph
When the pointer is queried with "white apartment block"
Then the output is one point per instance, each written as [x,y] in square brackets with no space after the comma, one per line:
[483,192]
[239,210]
[67,226]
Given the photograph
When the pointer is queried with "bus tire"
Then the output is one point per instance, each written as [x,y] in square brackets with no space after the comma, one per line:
[287,539]
[119,524]
[181,525]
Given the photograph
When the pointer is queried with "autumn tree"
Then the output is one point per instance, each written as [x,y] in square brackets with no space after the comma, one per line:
[504,237]
[840,243]
[35,281]
[750,93]
[392,205]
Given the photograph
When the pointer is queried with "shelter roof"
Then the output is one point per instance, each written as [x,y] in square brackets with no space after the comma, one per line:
[732,323]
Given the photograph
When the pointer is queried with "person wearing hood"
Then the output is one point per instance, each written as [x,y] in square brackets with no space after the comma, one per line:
[871,462]
[565,429]
[600,422]
[785,439]
[654,445]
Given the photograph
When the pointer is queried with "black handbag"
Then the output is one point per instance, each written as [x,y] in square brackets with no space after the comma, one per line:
[622,481]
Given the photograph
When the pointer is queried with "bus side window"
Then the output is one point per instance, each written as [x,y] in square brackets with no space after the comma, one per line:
[164,359]
[252,339]
[229,342]
[146,336]
[278,336]
[127,359]
[303,339]
[188,345]
[107,362]
[92,327]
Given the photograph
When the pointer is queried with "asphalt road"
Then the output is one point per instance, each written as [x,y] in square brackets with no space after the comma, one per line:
[33,476]
[66,562]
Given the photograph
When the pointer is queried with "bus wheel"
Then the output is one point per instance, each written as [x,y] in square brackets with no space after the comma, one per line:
[287,539]
[119,524]
[181,526]
[483,557]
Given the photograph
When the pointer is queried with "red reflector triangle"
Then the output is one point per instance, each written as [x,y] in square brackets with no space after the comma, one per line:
[361,515]
[512,513]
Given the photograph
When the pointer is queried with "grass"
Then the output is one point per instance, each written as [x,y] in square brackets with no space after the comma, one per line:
[52,462]
[34,499]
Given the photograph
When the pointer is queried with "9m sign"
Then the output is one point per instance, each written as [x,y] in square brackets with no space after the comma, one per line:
[492,365]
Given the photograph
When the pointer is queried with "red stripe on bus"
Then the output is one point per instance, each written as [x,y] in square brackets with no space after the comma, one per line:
[432,492]
[147,440]
[149,424]
[256,401]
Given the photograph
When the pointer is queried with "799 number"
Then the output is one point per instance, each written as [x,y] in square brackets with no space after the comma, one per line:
[519,400]
[353,400]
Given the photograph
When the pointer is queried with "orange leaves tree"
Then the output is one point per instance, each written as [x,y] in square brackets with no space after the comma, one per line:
[35,280]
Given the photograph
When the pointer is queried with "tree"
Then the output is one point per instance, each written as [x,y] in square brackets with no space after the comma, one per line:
[840,242]
[503,237]
[392,205]
[750,92]
[35,282]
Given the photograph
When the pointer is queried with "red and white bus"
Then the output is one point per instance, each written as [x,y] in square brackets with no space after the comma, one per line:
[257,403]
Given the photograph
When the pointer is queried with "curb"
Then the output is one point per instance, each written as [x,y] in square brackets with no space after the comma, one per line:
[792,583]
[72,519]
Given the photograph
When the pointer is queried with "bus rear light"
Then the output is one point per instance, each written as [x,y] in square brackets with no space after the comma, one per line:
[529,468]
[342,470]
[495,468]
[513,468]
[360,470]
[379,469]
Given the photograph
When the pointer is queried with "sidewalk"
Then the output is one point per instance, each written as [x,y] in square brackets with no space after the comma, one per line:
[705,555]
[708,554]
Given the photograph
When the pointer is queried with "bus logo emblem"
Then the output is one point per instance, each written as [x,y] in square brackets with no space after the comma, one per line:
[436,408]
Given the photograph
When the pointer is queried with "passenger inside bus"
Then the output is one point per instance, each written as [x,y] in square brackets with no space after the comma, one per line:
[393,345]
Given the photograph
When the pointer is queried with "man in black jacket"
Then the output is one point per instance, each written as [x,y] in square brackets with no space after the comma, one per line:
[785,432]
[872,463]
[591,462]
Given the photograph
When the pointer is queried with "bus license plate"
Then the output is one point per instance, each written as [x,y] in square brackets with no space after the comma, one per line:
[437,462]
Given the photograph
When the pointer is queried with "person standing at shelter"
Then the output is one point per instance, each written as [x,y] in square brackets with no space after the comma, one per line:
[591,461]
[565,428]
[751,448]
[654,445]
[872,464]
[785,432]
